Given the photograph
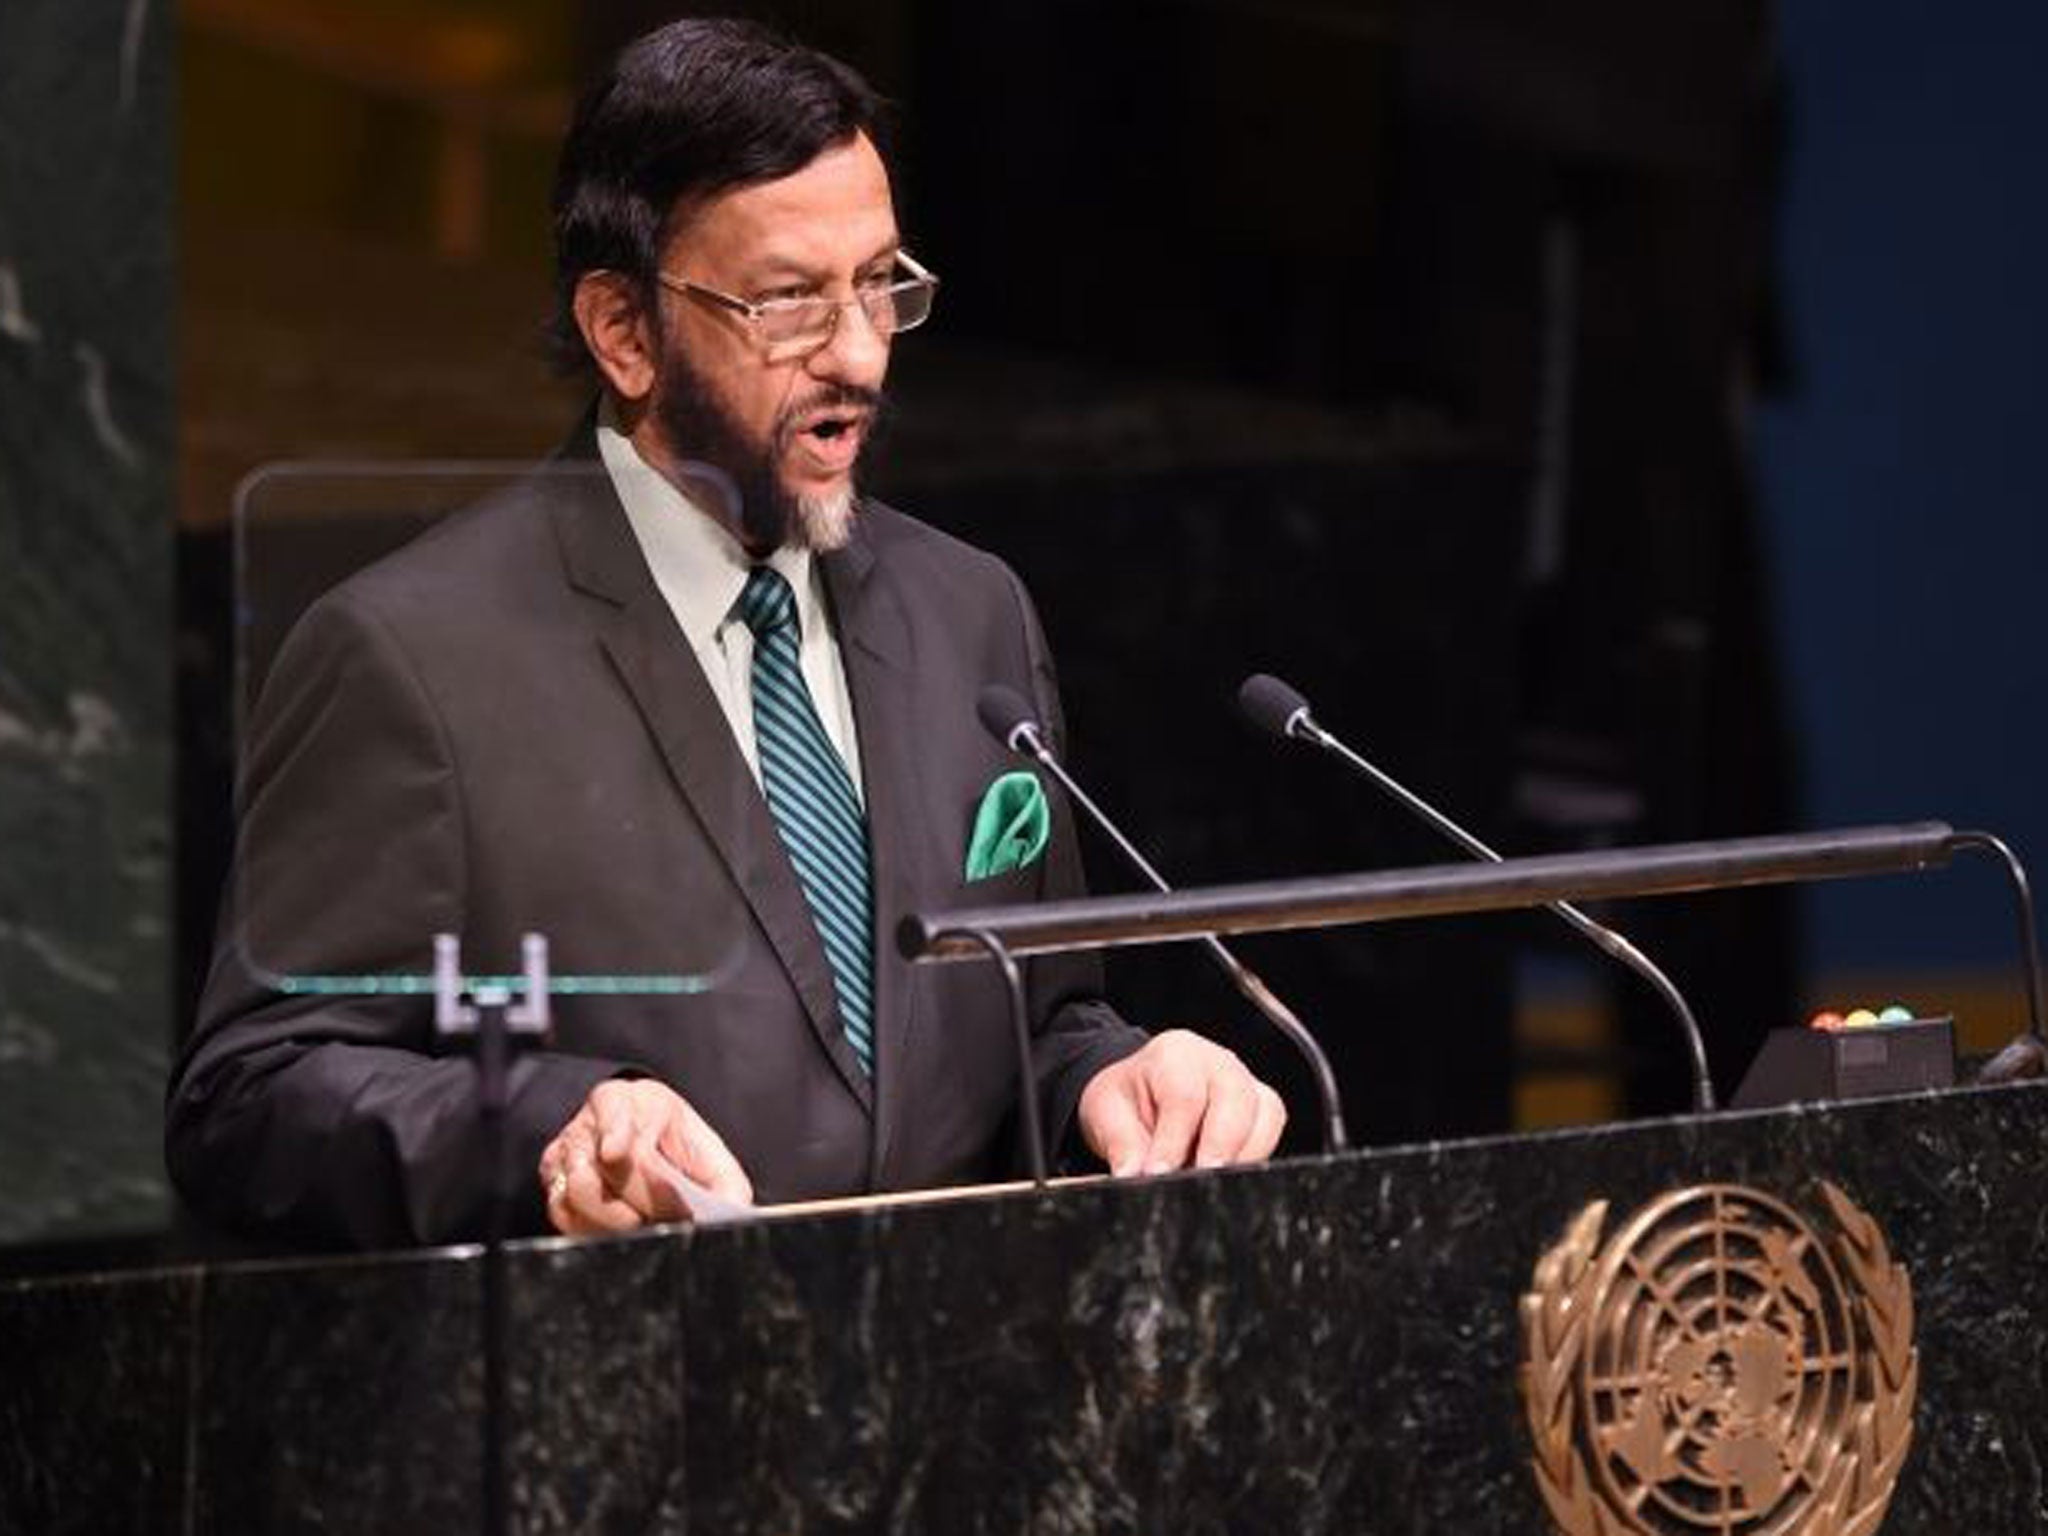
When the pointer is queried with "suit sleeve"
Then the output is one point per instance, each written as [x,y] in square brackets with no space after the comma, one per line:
[323,1111]
[1078,1032]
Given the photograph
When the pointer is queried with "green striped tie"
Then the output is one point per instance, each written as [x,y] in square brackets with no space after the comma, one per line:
[814,806]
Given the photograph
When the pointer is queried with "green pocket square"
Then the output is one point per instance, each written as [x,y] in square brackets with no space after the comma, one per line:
[1010,826]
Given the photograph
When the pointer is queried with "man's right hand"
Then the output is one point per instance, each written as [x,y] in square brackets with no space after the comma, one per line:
[612,1167]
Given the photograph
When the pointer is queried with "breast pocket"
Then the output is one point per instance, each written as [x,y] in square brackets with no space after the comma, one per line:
[1007,889]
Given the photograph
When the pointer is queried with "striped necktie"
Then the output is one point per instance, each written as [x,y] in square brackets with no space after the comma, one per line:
[812,801]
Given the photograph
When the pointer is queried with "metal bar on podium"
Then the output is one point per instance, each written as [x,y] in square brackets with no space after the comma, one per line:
[1430,891]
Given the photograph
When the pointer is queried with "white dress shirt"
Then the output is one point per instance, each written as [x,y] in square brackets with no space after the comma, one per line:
[700,569]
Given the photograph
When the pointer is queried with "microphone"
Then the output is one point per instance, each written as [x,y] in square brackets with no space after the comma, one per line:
[1005,716]
[1278,708]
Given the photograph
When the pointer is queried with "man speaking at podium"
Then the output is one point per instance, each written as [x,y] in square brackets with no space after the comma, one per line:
[702,688]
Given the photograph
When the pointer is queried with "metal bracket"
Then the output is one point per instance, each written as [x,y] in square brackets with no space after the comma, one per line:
[457,1008]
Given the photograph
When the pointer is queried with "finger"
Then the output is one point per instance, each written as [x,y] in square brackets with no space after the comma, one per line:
[1270,1121]
[616,1123]
[555,1187]
[1183,1101]
[579,1201]
[632,1172]
[1227,1122]
[648,1182]
[600,1217]
[701,1153]
[1113,1121]
[573,1140]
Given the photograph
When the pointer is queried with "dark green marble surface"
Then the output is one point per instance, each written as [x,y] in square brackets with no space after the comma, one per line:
[1321,1346]
[85,496]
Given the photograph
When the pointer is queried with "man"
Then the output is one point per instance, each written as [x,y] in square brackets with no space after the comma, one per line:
[699,705]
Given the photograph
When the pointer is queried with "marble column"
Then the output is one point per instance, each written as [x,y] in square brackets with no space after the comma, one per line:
[86,374]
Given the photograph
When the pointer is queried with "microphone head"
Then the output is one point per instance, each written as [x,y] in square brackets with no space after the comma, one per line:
[1006,716]
[1271,705]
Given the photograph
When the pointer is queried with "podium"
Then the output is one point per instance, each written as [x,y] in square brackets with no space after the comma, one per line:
[1332,1344]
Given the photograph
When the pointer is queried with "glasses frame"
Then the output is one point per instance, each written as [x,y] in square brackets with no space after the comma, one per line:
[756,311]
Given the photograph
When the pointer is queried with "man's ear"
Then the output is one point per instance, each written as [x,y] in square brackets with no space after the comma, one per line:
[618,330]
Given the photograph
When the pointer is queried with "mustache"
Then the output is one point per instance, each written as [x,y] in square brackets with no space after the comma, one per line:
[832,397]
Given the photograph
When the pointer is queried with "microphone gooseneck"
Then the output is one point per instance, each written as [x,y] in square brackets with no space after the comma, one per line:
[1005,715]
[1276,707]
[2026,1056]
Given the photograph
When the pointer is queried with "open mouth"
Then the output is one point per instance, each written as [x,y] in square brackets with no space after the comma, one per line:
[831,441]
[832,428]
[826,434]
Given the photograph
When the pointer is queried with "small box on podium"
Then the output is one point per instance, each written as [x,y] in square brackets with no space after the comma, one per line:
[1813,1065]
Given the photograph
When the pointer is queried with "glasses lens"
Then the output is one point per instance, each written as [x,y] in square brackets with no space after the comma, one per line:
[798,322]
[898,307]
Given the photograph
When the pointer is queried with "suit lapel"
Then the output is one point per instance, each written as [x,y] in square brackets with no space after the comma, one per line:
[874,646]
[654,662]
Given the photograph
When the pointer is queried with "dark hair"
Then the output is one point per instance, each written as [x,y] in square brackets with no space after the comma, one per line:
[694,109]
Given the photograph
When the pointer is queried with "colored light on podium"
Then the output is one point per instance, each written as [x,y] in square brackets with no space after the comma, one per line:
[1861,1018]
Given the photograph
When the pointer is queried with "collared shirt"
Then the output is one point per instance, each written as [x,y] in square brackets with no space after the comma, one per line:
[700,568]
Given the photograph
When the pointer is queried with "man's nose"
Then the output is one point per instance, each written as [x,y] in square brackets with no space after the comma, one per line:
[855,353]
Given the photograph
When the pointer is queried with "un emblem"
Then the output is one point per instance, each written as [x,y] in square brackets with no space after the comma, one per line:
[1720,1366]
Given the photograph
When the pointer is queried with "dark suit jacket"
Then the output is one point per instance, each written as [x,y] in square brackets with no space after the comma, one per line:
[501,729]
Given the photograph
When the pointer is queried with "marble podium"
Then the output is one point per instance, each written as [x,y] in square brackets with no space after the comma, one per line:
[1323,1345]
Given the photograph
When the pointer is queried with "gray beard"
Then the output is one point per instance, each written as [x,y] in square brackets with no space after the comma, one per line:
[823,522]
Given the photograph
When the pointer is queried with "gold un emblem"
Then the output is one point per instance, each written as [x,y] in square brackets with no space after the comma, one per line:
[1720,1367]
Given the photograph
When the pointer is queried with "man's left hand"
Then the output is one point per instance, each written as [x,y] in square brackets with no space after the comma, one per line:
[1180,1101]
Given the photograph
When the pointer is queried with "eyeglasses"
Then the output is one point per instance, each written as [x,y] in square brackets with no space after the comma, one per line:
[793,328]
